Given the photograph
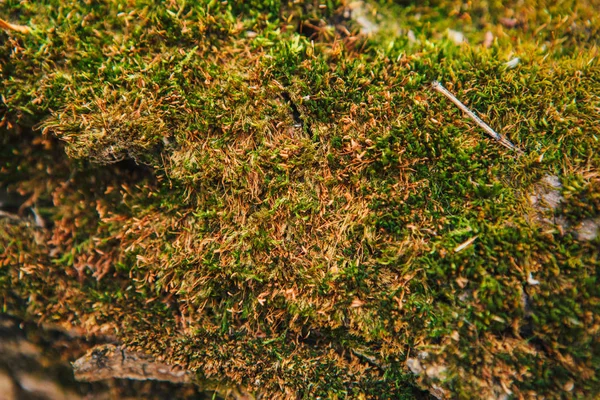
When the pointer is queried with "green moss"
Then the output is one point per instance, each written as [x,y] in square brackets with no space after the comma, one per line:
[257,192]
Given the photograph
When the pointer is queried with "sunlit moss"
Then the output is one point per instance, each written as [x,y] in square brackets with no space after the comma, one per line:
[260,193]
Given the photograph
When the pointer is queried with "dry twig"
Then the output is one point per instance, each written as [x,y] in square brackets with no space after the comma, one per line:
[14,27]
[501,139]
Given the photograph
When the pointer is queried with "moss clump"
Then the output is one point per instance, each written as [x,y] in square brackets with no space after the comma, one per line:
[258,192]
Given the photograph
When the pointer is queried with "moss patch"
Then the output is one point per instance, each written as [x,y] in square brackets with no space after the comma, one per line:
[258,192]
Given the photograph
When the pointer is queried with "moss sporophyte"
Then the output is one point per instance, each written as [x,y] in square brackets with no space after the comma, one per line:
[270,194]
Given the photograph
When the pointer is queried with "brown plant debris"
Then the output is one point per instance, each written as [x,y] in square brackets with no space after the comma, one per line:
[14,27]
[110,361]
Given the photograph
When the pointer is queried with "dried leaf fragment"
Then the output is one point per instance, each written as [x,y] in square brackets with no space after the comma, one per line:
[14,27]
[356,303]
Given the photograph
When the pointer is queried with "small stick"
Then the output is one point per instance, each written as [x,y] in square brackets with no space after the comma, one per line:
[14,27]
[465,244]
[503,141]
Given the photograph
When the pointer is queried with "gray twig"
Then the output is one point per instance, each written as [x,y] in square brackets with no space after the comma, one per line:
[495,135]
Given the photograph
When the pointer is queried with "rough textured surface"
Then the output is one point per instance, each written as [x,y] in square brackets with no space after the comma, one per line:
[260,193]
[34,364]
[110,361]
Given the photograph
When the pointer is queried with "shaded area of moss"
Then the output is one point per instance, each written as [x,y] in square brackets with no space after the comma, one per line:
[36,360]
[301,197]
